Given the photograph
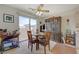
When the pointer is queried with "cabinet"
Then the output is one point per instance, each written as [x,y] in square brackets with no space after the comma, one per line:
[53,24]
[70,39]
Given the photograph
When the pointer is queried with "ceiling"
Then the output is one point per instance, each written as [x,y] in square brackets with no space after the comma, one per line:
[53,8]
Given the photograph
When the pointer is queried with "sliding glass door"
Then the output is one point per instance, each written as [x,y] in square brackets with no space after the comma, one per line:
[25,24]
[33,26]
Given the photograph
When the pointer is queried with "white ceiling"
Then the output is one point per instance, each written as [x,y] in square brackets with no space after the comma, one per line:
[53,8]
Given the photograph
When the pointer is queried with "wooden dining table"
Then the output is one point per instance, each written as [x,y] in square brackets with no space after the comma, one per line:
[37,40]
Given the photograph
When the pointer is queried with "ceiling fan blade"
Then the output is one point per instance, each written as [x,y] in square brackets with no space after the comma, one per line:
[44,10]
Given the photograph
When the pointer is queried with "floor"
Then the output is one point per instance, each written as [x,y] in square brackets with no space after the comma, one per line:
[63,49]
[24,49]
[56,48]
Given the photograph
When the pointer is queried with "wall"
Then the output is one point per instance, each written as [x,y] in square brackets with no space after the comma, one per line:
[9,26]
[73,16]
[72,23]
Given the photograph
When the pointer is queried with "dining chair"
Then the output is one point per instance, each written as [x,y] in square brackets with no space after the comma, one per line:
[46,41]
[31,40]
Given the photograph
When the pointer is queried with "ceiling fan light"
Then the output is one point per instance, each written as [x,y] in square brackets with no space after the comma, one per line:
[39,13]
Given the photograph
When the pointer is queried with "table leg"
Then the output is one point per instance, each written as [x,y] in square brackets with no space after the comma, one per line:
[37,43]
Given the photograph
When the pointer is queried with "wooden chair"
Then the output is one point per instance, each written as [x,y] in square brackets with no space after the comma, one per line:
[30,40]
[46,41]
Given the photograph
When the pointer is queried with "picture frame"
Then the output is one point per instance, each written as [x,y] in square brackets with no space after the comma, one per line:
[8,18]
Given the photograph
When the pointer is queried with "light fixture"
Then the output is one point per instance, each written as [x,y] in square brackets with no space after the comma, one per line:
[39,10]
[39,13]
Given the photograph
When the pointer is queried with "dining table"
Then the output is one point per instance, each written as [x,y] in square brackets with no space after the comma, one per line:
[37,40]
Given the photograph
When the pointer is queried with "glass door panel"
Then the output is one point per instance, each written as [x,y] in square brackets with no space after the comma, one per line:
[24,27]
[33,24]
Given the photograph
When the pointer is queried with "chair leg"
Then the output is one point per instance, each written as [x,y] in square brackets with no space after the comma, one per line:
[45,49]
[28,44]
[31,47]
[49,47]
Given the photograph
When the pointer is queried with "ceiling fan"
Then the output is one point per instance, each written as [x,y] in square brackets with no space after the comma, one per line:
[39,10]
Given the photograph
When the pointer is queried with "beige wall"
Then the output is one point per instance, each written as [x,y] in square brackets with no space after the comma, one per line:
[72,23]
[73,16]
[9,26]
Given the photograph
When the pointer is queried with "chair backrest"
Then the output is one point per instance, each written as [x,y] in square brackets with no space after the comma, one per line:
[47,36]
[29,33]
